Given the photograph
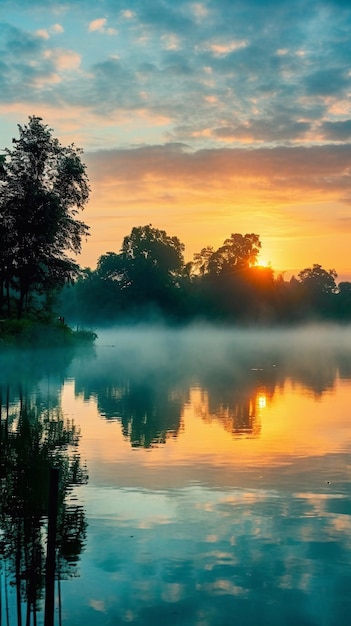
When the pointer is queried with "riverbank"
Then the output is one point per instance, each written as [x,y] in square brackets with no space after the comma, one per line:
[32,333]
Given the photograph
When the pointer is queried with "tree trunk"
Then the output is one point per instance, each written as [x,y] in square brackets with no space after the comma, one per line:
[1,294]
[8,298]
[18,577]
[20,302]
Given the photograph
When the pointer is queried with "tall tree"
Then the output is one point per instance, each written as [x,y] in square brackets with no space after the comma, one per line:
[153,262]
[43,186]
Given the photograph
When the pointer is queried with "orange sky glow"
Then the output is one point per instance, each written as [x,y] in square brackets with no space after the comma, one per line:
[299,223]
[202,119]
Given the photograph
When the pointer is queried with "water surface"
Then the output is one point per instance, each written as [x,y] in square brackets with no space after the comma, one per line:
[205,478]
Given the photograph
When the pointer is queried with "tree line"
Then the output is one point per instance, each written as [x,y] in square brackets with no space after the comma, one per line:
[43,188]
[149,277]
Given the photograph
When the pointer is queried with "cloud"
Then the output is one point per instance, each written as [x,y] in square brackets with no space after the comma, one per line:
[224,48]
[63,60]
[209,108]
[219,75]
[19,43]
[284,174]
[200,10]
[279,128]
[326,82]
[337,131]
[45,81]
[99,25]
[57,29]
[98,605]
[42,33]
[297,197]
[127,14]
[170,42]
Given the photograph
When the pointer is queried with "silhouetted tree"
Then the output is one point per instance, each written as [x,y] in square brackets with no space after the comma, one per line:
[202,260]
[149,266]
[344,300]
[227,285]
[111,266]
[317,291]
[318,280]
[238,252]
[224,285]
[43,185]
[151,253]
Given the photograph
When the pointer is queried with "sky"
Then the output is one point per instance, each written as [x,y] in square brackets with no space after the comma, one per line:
[200,118]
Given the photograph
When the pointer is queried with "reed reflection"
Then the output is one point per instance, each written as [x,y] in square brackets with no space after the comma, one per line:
[34,437]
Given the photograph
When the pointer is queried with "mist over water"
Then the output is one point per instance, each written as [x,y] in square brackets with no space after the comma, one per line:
[207,476]
[308,354]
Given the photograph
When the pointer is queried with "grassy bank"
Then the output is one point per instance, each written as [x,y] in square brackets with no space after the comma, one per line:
[33,333]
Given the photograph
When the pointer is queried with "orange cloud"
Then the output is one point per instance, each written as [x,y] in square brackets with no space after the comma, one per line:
[282,171]
[294,198]
[97,25]
[63,60]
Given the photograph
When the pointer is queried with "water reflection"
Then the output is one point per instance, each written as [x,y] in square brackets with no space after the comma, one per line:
[219,479]
[207,557]
[34,437]
[149,411]
[239,415]
[144,379]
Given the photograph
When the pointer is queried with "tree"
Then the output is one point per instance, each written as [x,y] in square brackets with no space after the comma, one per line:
[154,248]
[317,280]
[43,186]
[202,260]
[152,263]
[110,266]
[238,252]
[345,288]
[344,300]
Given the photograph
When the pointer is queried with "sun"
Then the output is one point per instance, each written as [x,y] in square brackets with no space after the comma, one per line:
[262,263]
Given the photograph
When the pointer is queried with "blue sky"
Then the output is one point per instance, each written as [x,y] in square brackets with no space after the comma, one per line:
[203,118]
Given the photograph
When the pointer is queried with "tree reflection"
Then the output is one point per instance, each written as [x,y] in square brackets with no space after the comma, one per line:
[235,399]
[150,411]
[147,380]
[34,438]
[149,415]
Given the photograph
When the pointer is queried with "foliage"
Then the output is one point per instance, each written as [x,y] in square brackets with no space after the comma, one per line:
[148,278]
[238,252]
[145,275]
[152,260]
[26,332]
[318,280]
[43,186]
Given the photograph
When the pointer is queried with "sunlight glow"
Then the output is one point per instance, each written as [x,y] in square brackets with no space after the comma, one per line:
[261,401]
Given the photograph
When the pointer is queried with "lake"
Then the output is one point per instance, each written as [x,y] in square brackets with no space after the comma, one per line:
[205,478]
